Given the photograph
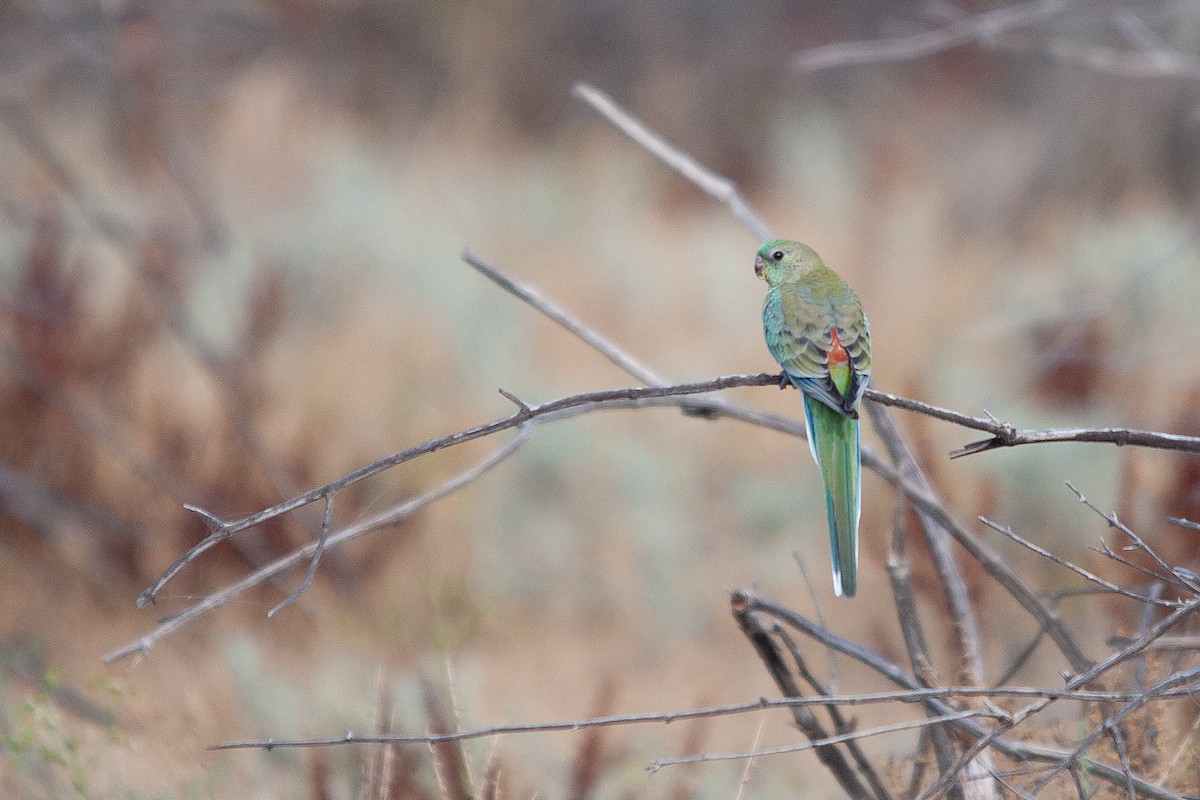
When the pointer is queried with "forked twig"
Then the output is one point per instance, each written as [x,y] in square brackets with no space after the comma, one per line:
[311,572]
[1108,586]
[391,516]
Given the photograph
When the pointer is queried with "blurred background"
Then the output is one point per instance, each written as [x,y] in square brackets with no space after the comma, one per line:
[229,272]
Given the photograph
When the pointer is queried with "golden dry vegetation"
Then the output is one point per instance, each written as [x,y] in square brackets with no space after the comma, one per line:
[229,272]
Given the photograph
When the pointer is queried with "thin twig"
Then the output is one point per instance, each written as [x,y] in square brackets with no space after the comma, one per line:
[1114,731]
[593,338]
[527,414]
[976,28]
[1170,573]
[311,572]
[1156,576]
[1114,720]
[741,790]
[954,716]
[1078,570]
[916,694]
[712,184]
[1004,434]
[1023,751]
[391,516]
[996,30]
[1021,659]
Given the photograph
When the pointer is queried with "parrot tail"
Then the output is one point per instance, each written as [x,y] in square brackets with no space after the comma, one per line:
[833,439]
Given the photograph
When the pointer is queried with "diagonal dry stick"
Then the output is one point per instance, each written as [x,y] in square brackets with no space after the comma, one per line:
[714,185]
[983,27]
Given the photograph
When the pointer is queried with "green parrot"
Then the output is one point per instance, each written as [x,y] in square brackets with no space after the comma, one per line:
[817,331]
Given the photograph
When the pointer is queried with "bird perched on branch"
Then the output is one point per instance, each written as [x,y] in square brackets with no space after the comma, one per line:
[817,331]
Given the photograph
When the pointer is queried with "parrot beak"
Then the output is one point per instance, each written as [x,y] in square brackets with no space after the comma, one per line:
[758,266]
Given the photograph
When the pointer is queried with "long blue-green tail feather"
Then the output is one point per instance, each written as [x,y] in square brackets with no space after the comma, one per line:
[833,439]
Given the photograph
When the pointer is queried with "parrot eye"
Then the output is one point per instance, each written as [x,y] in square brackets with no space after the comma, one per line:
[777,255]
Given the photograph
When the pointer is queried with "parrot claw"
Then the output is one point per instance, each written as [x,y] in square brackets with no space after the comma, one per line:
[784,380]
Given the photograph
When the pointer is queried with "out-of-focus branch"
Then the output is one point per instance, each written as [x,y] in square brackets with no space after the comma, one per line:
[592,337]
[983,27]
[712,184]
[1014,29]
[130,243]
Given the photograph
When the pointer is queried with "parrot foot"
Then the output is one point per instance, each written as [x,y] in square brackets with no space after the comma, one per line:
[784,380]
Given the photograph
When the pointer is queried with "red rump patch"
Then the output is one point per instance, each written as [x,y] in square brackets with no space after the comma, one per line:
[837,353]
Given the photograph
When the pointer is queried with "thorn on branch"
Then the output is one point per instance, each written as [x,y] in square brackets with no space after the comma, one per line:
[523,409]
[214,522]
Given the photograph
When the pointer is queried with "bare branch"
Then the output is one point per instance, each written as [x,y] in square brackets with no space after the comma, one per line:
[1111,722]
[840,723]
[389,517]
[1169,573]
[311,572]
[1005,434]
[593,338]
[586,400]
[964,622]
[1114,731]
[128,241]
[978,28]
[1078,570]
[830,756]
[1022,751]
[913,695]
[997,30]
[722,189]
[953,716]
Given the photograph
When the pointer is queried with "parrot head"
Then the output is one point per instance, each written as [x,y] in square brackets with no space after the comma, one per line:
[782,260]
